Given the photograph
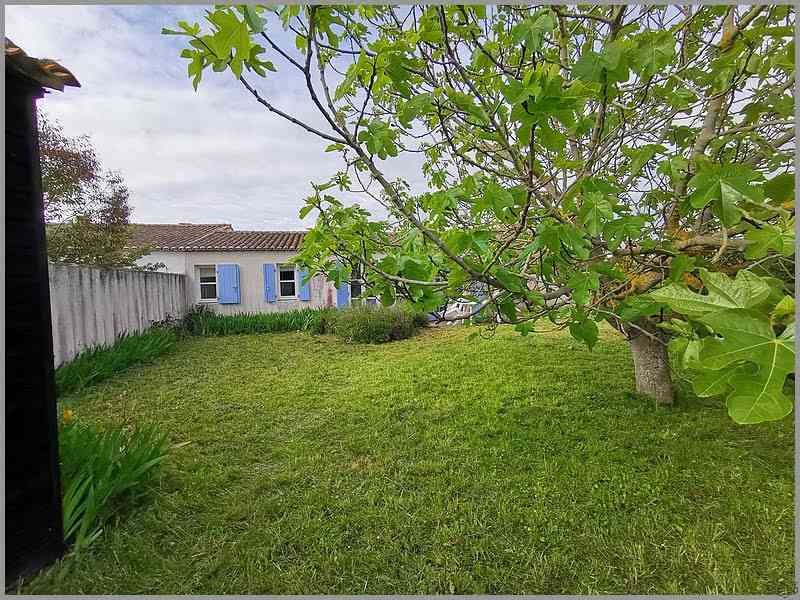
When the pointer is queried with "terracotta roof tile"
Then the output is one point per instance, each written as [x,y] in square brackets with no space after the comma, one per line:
[248,240]
[167,236]
[213,237]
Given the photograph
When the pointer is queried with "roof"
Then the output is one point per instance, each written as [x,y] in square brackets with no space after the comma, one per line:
[167,236]
[44,71]
[191,237]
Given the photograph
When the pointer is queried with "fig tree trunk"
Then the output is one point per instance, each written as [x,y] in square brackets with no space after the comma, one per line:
[651,362]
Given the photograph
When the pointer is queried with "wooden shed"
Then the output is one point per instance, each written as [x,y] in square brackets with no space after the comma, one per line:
[34,535]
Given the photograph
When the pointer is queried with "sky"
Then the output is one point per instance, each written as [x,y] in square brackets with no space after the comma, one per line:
[211,156]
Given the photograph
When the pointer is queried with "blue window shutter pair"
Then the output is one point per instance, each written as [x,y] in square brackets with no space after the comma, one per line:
[305,288]
[228,284]
[270,294]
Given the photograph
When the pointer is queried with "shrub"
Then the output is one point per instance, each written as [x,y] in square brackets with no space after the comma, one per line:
[204,322]
[322,321]
[419,317]
[103,474]
[96,364]
[372,324]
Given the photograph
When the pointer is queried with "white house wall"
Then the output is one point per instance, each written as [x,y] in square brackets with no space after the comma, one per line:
[251,281]
[175,261]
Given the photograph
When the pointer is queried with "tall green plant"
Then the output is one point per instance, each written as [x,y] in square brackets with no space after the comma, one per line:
[206,322]
[577,157]
[104,473]
[99,363]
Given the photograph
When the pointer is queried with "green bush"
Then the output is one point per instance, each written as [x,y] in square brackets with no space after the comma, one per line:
[97,364]
[204,322]
[372,324]
[322,321]
[103,474]
[419,317]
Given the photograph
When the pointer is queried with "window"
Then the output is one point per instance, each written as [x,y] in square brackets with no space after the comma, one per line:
[287,286]
[208,283]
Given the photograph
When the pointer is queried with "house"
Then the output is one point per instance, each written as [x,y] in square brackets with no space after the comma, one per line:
[238,271]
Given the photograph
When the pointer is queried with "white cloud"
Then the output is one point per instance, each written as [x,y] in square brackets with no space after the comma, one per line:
[211,156]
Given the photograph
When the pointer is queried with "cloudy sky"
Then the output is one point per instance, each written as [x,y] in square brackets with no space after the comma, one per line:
[205,157]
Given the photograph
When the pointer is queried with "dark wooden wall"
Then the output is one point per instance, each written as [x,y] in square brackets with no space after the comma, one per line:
[34,535]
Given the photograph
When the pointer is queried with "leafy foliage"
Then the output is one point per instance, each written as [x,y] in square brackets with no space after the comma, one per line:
[104,473]
[87,209]
[735,342]
[576,157]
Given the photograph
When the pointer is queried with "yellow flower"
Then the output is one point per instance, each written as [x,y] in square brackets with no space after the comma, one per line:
[69,415]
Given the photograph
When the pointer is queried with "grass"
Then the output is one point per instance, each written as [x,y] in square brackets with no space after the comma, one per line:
[435,464]
[102,362]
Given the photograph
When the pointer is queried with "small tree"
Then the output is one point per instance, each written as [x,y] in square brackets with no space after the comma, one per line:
[586,163]
[87,209]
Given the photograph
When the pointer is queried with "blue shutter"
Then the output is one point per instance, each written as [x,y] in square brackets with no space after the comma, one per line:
[343,294]
[269,283]
[305,288]
[228,284]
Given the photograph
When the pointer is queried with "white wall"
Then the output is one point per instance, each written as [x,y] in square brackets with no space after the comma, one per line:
[92,307]
[175,261]
[251,282]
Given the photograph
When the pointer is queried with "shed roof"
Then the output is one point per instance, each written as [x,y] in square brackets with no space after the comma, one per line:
[44,71]
[191,237]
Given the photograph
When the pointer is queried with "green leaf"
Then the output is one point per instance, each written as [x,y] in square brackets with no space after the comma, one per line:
[747,337]
[585,331]
[708,382]
[726,186]
[589,67]
[640,156]
[784,308]
[418,106]
[654,51]
[550,138]
[533,30]
[746,291]
[305,210]
[680,327]
[253,19]
[465,103]
[511,281]
[594,211]
[780,188]
[679,265]
[507,309]
[617,231]
[768,238]
[635,307]
[581,284]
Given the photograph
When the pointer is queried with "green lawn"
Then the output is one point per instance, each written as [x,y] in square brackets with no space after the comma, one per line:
[436,465]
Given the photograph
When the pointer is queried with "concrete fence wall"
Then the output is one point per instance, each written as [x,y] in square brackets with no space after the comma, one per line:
[92,307]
